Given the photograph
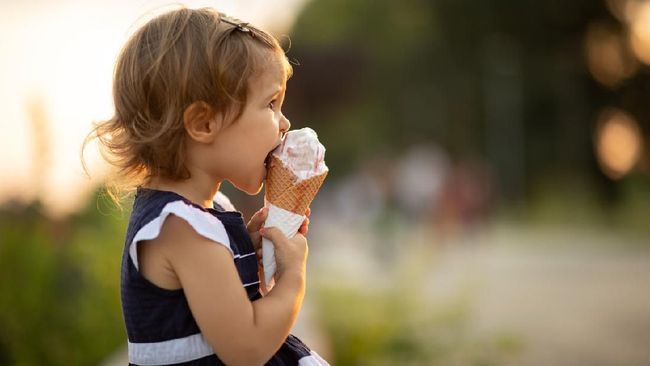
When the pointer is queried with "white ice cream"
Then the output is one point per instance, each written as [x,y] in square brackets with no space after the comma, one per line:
[301,151]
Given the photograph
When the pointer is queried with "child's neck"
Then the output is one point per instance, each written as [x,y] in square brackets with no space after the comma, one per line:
[201,193]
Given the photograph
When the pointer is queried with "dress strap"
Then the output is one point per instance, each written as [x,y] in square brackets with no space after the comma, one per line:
[223,201]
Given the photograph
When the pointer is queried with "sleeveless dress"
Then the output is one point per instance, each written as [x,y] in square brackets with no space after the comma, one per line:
[159,324]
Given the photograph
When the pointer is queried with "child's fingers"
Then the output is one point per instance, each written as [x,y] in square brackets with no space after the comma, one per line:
[256,238]
[259,256]
[304,228]
[257,220]
[275,235]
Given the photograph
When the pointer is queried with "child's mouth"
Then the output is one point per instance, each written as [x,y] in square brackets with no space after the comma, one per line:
[267,161]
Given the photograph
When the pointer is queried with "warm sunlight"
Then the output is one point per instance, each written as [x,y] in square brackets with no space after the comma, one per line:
[57,61]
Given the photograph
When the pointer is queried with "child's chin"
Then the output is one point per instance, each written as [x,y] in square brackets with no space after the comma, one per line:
[256,191]
[252,189]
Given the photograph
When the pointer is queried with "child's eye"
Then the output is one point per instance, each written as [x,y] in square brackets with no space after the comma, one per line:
[272,104]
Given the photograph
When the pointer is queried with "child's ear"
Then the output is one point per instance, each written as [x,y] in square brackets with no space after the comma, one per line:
[201,122]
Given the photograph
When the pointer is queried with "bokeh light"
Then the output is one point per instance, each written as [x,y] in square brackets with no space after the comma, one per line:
[640,30]
[608,57]
[618,143]
[617,8]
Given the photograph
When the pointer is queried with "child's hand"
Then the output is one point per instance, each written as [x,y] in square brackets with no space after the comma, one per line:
[304,228]
[290,254]
[254,225]
[257,222]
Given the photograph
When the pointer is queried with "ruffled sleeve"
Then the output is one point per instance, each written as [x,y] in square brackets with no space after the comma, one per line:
[203,223]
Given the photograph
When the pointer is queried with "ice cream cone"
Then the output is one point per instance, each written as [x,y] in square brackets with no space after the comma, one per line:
[285,191]
[288,200]
[295,172]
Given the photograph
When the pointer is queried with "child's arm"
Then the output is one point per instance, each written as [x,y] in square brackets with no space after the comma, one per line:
[241,332]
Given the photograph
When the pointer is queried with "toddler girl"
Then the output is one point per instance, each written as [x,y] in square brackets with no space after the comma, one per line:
[198,99]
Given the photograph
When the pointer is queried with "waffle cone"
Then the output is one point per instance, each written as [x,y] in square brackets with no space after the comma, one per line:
[285,191]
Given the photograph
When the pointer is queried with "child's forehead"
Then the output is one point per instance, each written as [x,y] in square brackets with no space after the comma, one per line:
[272,76]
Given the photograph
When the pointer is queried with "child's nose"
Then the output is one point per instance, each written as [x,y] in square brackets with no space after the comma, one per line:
[285,125]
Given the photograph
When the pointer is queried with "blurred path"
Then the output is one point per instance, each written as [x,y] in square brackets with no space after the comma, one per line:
[572,297]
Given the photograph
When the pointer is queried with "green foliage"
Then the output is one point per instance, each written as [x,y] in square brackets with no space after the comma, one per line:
[60,284]
[397,327]
[632,213]
[569,201]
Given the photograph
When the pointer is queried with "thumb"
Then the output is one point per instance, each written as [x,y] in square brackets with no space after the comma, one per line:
[273,234]
[257,220]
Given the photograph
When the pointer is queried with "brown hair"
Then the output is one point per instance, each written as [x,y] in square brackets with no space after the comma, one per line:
[175,59]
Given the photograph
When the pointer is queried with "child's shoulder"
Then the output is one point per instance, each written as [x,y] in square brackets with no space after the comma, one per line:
[177,246]
[161,216]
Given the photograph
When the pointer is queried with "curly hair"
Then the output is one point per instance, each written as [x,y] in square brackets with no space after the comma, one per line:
[174,60]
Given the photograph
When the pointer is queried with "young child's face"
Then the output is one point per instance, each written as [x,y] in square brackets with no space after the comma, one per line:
[244,145]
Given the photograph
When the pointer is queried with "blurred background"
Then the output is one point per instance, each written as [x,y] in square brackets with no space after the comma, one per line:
[488,195]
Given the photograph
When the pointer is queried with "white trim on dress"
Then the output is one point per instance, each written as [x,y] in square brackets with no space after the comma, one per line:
[169,352]
[187,349]
[203,222]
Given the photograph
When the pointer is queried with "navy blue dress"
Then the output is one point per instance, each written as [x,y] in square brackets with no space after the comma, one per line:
[160,327]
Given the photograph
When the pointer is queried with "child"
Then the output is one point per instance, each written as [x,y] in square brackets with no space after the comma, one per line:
[198,99]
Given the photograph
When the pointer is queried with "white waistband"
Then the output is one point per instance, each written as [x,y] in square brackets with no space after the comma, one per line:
[168,352]
[187,349]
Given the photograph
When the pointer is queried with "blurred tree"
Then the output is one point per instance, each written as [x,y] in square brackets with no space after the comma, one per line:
[501,79]
[60,284]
